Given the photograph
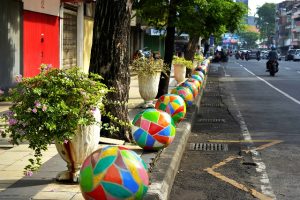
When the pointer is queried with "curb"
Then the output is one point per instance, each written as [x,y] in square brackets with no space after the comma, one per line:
[165,169]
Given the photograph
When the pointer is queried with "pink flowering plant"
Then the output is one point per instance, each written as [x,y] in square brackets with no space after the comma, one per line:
[50,106]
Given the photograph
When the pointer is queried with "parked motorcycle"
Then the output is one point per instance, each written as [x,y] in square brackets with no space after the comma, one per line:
[247,56]
[237,55]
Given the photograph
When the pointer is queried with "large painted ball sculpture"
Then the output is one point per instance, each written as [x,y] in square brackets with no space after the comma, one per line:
[153,129]
[191,86]
[185,93]
[174,105]
[113,173]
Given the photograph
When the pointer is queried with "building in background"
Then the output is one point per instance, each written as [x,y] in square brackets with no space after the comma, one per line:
[287,31]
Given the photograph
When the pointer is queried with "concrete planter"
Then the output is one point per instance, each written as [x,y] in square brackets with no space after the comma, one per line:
[148,87]
[179,73]
[76,150]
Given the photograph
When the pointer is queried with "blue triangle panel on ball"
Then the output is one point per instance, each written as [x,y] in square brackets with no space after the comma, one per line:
[129,181]
[150,141]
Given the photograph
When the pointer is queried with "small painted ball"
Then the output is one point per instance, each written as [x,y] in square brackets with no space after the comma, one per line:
[201,69]
[153,129]
[191,86]
[113,173]
[185,93]
[200,74]
[195,82]
[197,77]
[174,105]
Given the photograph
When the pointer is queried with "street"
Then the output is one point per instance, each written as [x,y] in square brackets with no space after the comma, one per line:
[243,109]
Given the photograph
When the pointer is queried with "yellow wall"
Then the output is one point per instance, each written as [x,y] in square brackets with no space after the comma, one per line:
[87,45]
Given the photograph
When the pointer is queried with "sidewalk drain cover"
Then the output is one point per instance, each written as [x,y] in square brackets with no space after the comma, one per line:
[211,105]
[208,147]
[212,120]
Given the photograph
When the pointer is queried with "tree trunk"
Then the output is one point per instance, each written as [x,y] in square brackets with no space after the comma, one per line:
[169,49]
[110,59]
[190,51]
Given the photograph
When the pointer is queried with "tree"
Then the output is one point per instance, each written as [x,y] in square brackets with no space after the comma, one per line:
[205,18]
[161,14]
[250,38]
[110,59]
[195,17]
[266,20]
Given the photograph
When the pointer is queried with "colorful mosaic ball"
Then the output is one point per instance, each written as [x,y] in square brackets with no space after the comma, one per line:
[195,82]
[197,77]
[185,93]
[199,74]
[201,69]
[153,129]
[113,173]
[174,105]
[191,86]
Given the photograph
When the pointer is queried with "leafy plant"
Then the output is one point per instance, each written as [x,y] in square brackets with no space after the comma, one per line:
[50,106]
[181,61]
[3,96]
[147,66]
[198,58]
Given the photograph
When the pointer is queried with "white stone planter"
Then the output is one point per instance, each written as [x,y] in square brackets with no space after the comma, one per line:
[148,87]
[179,73]
[76,150]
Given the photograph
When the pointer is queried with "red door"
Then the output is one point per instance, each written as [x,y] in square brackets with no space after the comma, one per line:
[41,42]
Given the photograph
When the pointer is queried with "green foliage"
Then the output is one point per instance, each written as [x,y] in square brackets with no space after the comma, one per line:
[50,106]
[204,18]
[266,19]
[181,61]
[195,17]
[250,38]
[3,96]
[198,58]
[153,12]
[146,66]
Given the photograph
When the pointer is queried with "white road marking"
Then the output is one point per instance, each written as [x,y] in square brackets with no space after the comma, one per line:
[272,86]
[265,186]
[287,68]
[298,72]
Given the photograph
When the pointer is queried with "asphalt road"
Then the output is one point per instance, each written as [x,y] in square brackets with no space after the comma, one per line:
[271,109]
[256,112]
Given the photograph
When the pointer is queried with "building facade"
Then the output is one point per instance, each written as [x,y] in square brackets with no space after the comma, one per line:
[287,25]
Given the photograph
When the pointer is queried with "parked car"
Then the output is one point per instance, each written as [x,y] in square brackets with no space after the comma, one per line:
[264,54]
[296,55]
[290,55]
[252,54]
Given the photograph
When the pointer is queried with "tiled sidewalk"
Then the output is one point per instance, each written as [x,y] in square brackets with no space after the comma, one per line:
[42,185]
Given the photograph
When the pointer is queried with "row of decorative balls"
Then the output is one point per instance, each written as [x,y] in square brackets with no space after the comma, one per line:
[117,173]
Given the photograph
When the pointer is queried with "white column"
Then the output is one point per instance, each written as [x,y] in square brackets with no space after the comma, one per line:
[80,32]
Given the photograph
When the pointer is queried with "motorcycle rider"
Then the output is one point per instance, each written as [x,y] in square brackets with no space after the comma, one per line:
[258,55]
[273,57]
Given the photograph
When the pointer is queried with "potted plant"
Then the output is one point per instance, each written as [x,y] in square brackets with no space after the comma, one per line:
[197,60]
[180,64]
[60,106]
[148,71]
